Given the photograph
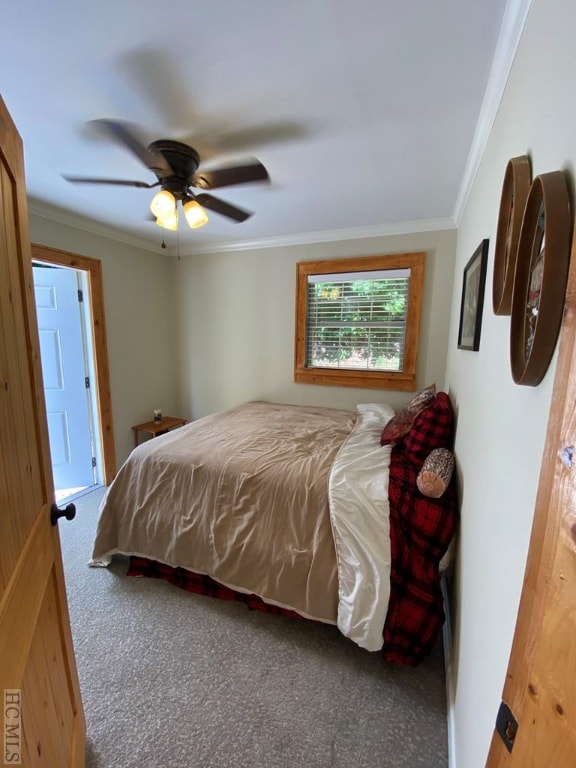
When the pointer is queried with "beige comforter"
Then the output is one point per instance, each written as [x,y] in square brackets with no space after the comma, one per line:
[241,496]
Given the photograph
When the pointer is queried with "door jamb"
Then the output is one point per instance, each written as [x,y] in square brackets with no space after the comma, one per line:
[93,268]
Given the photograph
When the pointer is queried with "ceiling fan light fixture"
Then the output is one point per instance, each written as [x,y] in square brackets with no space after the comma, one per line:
[169,222]
[195,214]
[163,205]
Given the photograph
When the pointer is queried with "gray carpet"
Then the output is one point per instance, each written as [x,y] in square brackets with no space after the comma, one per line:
[178,680]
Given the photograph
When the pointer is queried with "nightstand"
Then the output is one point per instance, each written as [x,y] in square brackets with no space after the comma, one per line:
[155,428]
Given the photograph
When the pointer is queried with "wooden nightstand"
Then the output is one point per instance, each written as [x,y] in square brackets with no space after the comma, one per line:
[155,428]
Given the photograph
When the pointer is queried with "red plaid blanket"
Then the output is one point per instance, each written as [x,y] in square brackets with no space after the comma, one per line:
[201,585]
[421,529]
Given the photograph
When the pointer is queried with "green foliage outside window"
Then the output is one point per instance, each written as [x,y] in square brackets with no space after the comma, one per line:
[357,323]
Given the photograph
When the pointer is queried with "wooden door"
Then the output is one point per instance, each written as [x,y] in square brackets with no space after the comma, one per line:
[42,718]
[540,686]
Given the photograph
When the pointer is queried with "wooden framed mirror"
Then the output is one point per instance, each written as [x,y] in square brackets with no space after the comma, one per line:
[540,278]
[515,191]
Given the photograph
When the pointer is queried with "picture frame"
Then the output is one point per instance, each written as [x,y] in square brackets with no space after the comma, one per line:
[472,303]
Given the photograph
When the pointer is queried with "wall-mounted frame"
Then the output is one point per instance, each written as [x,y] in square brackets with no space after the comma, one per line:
[515,189]
[473,299]
[540,279]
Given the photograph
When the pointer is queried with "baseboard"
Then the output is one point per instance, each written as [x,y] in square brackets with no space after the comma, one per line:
[447,642]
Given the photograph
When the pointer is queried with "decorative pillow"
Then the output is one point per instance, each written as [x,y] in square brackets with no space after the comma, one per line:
[432,428]
[436,473]
[402,423]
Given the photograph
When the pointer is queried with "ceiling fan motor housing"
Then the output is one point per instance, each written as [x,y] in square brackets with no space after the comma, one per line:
[184,162]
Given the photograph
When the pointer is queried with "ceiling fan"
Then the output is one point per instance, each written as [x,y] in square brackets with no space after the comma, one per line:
[176,167]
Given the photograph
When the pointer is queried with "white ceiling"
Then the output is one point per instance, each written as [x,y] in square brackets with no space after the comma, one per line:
[363,113]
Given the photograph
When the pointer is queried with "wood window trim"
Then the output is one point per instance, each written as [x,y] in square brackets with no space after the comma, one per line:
[93,267]
[404,380]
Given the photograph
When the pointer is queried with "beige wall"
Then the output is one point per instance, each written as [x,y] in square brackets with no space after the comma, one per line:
[236,322]
[140,324]
[501,426]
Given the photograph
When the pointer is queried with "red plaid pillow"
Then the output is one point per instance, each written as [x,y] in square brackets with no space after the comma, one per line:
[432,428]
[401,424]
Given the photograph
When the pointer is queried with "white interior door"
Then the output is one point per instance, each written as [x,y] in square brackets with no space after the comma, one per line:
[64,372]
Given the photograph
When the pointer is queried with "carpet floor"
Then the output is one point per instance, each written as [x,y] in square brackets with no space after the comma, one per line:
[176,680]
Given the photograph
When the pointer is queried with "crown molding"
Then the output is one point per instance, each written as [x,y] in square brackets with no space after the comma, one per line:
[307,238]
[84,224]
[513,21]
[326,236]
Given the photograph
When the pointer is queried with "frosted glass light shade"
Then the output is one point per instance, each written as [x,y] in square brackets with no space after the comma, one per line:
[163,204]
[169,222]
[195,214]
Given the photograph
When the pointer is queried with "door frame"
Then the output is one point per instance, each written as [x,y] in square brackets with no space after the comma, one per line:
[93,269]
[553,529]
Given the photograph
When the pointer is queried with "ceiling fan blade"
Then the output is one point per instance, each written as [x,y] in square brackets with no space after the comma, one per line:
[115,182]
[250,137]
[157,75]
[127,135]
[227,177]
[220,206]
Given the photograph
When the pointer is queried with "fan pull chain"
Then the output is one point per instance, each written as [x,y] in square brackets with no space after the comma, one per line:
[162,244]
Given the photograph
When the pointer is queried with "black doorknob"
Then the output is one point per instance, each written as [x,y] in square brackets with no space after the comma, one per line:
[55,513]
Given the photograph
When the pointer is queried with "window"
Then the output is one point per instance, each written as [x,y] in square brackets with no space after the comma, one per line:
[357,321]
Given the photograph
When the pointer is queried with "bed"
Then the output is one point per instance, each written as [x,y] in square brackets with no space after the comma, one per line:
[295,509]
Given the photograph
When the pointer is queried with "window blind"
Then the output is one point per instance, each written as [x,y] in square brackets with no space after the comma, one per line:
[357,320]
